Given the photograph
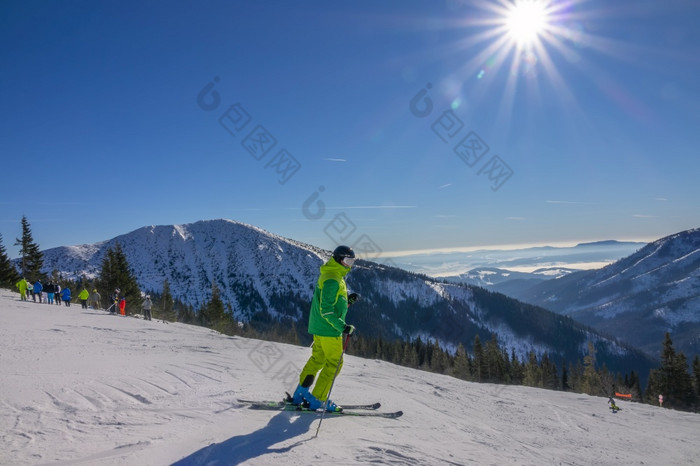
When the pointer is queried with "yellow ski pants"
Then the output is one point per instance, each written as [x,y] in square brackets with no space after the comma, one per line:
[325,357]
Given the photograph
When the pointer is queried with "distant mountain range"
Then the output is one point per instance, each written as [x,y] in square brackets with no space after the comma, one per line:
[263,276]
[506,281]
[638,298]
[460,264]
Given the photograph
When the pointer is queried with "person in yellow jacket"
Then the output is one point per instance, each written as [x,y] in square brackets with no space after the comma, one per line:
[83,297]
[327,324]
[22,286]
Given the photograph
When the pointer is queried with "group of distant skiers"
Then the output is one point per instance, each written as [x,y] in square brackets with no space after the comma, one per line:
[54,293]
[49,294]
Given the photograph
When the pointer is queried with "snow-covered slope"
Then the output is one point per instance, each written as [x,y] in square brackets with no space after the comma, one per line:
[640,297]
[83,387]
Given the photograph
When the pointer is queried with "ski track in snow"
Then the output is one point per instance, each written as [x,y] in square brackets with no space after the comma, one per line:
[83,387]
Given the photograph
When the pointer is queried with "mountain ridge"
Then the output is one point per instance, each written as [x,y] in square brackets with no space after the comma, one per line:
[265,276]
[639,297]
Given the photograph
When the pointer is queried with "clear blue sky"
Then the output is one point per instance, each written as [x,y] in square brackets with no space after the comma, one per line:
[104,129]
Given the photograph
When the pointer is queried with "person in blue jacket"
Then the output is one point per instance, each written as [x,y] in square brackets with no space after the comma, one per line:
[65,295]
[37,290]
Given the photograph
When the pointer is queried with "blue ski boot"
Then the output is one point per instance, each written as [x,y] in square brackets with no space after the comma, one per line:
[311,402]
[315,404]
[300,394]
[333,408]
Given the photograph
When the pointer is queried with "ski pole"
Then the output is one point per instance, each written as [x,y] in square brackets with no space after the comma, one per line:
[337,369]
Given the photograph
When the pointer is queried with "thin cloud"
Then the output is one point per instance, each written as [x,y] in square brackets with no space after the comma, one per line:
[643,216]
[445,186]
[374,207]
[568,202]
[334,160]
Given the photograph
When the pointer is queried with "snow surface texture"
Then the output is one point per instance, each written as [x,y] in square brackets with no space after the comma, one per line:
[84,387]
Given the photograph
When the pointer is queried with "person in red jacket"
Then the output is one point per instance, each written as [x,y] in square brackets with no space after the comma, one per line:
[122,306]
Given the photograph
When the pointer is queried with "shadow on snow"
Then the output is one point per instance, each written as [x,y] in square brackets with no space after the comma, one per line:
[283,426]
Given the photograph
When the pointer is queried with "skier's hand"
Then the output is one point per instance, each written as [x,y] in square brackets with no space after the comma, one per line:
[352,297]
[349,330]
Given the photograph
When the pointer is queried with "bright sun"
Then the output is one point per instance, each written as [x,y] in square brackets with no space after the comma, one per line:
[526,20]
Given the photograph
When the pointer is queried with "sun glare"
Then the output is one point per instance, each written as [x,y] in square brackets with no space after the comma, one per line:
[526,20]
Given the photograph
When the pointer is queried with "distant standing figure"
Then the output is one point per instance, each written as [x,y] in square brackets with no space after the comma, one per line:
[50,290]
[22,286]
[122,306]
[661,400]
[57,293]
[115,301]
[65,294]
[95,299]
[147,304]
[37,290]
[83,297]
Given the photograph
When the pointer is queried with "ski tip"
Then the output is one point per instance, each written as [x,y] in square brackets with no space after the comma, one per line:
[376,405]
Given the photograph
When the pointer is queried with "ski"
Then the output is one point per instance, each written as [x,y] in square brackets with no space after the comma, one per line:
[281,406]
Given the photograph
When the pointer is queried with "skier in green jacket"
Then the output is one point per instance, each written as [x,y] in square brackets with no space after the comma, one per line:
[83,297]
[22,286]
[327,324]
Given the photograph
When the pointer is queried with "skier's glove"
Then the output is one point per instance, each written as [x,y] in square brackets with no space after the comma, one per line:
[349,330]
[352,297]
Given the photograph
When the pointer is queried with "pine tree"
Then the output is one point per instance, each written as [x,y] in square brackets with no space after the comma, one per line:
[495,366]
[696,375]
[634,387]
[167,312]
[606,381]
[550,379]
[8,272]
[32,257]
[532,372]
[517,370]
[507,367]
[461,363]
[213,314]
[440,361]
[683,390]
[564,378]
[115,272]
[671,379]
[480,369]
[185,313]
[590,381]
[409,356]
[575,373]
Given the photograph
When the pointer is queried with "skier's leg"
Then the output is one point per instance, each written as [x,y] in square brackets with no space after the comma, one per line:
[308,373]
[333,349]
[314,364]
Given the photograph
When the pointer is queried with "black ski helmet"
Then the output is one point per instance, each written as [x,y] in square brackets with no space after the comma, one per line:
[341,252]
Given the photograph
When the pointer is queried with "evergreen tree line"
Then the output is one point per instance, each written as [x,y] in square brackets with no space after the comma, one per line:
[489,362]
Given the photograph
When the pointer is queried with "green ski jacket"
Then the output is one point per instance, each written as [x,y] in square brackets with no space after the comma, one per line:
[330,302]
